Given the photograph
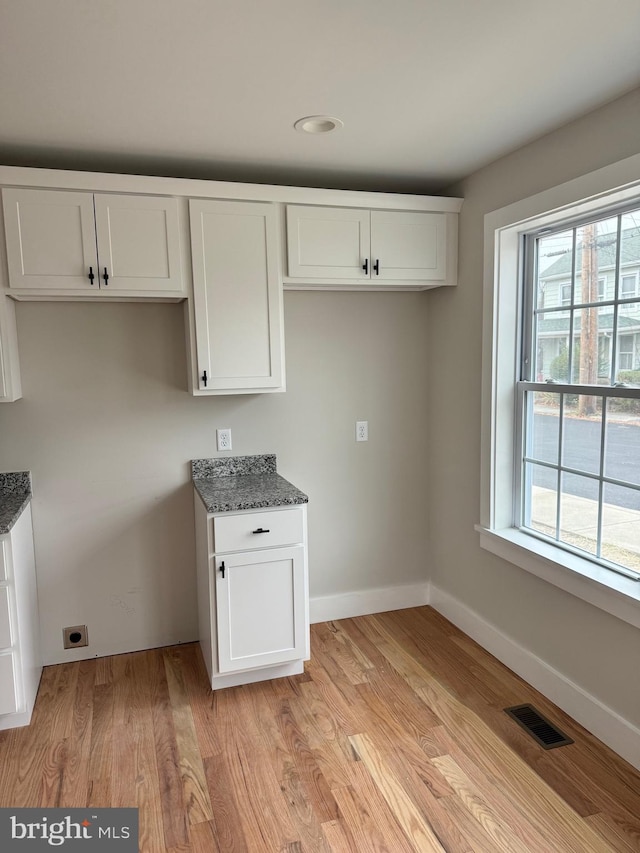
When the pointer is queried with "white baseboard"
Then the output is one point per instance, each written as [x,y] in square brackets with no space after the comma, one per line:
[362,603]
[619,734]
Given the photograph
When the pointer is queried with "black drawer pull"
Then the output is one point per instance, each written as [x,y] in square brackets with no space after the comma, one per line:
[260,530]
[222,568]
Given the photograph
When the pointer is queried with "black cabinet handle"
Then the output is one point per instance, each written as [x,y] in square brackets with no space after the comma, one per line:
[222,568]
[260,530]
[106,277]
[204,378]
[91,275]
[376,267]
[365,266]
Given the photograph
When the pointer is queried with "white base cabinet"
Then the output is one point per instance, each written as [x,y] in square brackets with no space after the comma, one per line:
[20,658]
[253,604]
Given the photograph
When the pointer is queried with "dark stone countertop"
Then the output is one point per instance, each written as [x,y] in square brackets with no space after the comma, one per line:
[243,482]
[15,494]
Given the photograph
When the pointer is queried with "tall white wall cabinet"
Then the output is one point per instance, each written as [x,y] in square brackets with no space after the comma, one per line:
[237,296]
[227,250]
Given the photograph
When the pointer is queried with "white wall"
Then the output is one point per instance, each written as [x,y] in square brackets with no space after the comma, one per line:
[586,646]
[107,428]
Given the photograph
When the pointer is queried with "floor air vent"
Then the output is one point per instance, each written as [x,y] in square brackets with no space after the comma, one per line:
[540,729]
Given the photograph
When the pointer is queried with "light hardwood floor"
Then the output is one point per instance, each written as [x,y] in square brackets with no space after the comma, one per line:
[394,739]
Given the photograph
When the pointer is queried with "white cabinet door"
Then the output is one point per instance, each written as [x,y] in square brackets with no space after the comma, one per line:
[408,246]
[327,242]
[56,242]
[237,292]
[20,657]
[51,239]
[10,386]
[138,243]
[260,608]
[5,619]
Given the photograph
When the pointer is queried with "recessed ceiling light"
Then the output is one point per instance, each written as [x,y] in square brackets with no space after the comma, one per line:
[318,124]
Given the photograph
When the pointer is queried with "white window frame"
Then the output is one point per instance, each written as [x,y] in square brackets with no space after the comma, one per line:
[608,187]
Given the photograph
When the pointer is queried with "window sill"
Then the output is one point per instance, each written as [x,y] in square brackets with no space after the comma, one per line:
[602,588]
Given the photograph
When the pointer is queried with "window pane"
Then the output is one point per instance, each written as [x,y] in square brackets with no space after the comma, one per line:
[543,439]
[621,526]
[586,327]
[628,350]
[597,245]
[629,254]
[582,432]
[554,265]
[622,447]
[552,347]
[579,512]
[541,511]
[628,362]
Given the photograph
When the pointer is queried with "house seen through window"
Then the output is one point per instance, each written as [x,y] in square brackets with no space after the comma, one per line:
[579,389]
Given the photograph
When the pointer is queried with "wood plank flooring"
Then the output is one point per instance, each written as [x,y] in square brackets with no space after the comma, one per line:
[394,739]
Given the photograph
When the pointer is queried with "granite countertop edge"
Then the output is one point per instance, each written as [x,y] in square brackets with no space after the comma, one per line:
[15,495]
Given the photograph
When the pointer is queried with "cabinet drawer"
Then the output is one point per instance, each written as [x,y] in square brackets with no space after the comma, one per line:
[8,693]
[258,530]
[5,623]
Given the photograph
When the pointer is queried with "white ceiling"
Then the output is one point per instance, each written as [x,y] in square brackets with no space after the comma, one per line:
[429,90]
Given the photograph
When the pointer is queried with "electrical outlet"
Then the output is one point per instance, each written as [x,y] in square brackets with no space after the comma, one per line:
[75,636]
[223,439]
[362,430]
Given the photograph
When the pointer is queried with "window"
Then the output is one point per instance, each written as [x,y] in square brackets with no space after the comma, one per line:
[579,483]
[629,286]
[626,352]
[550,497]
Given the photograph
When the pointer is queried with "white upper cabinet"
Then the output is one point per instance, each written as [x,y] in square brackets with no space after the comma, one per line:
[408,246]
[77,243]
[138,242]
[237,298]
[372,247]
[10,386]
[328,242]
